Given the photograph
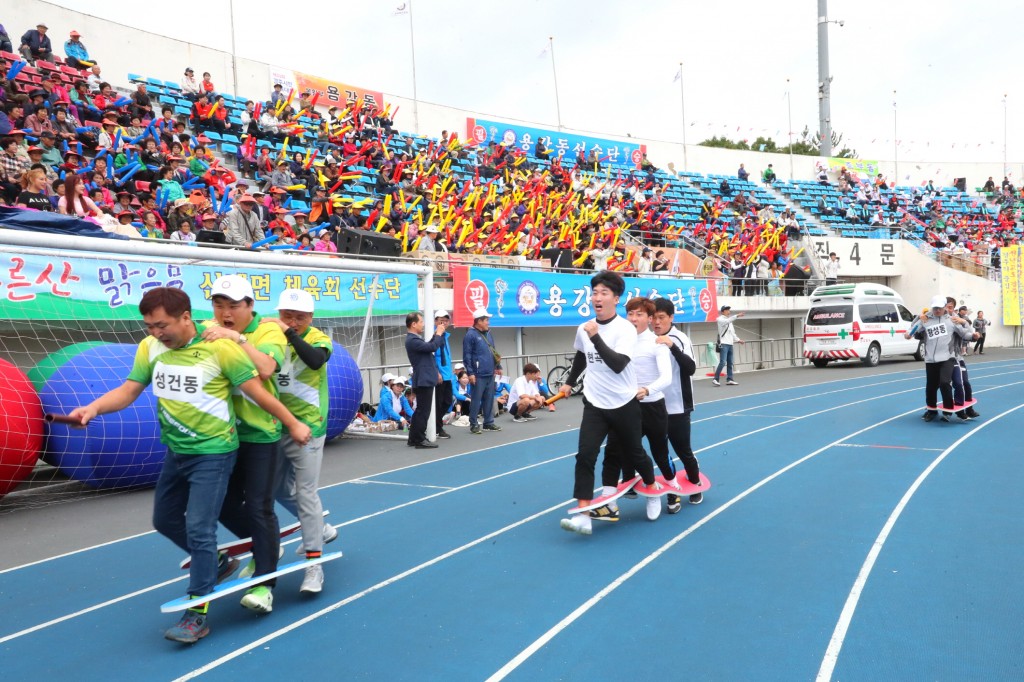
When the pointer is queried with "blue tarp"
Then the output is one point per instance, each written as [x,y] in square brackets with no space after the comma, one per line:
[53,223]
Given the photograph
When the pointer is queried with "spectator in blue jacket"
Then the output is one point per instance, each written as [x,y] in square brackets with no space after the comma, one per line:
[36,45]
[390,405]
[481,358]
[444,395]
[77,56]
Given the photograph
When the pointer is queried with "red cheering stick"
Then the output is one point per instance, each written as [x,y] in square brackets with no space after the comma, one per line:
[555,398]
[62,419]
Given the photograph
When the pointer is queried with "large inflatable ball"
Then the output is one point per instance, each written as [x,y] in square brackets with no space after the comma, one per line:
[21,427]
[116,450]
[344,389]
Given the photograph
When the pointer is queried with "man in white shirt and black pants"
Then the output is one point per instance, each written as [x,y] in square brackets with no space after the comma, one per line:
[604,347]
[653,367]
[679,397]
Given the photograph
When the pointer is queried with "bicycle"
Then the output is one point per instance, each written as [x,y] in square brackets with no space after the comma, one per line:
[560,374]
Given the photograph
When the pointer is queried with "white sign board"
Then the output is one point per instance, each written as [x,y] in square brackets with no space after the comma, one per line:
[862,257]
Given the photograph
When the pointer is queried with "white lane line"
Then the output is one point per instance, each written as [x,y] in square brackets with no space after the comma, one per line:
[761,416]
[474,483]
[359,595]
[94,607]
[530,650]
[76,551]
[858,387]
[252,645]
[887,447]
[536,645]
[364,481]
[835,645]
[151,532]
[524,440]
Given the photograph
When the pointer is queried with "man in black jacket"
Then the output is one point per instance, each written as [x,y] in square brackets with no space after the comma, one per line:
[424,375]
[36,45]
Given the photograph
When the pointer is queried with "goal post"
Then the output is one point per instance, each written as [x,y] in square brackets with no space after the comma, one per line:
[69,326]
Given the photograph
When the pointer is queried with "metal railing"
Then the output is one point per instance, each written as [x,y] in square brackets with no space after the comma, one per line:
[752,355]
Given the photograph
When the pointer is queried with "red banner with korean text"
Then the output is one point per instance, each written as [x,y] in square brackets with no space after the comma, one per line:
[332,93]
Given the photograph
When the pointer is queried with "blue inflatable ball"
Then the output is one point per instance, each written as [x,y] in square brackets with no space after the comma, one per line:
[344,390]
[117,450]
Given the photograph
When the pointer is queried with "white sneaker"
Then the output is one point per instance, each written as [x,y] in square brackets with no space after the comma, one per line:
[730,382]
[330,534]
[653,508]
[714,382]
[578,523]
[314,580]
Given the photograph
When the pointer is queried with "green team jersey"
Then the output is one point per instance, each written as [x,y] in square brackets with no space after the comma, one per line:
[193,386]
[255,425]
[304,390]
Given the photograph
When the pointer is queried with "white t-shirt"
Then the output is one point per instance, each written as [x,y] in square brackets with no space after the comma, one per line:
[522,386]
[653,366]
[674,395]
[602,387]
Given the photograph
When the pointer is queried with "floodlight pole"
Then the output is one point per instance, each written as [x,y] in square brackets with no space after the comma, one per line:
[234,57]
[824,82]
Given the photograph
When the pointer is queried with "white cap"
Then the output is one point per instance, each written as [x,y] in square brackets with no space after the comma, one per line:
[480,312]
[235,287]
[401,380]
[295,299]
[938,302]
[386,377]
[432,228]
[440,313]
[459,365]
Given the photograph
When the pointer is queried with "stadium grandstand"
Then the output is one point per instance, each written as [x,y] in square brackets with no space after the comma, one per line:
[163,158]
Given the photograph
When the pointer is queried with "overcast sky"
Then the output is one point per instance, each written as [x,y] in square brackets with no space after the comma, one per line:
[950,64]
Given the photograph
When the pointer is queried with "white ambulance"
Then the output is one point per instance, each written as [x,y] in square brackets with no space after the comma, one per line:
[858,322]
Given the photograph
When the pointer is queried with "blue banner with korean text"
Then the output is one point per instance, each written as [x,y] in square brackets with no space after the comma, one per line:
[539,298]
[567,145]
[42,286]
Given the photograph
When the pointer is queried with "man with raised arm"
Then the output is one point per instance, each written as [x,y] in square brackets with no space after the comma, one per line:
[192,379]
[604,348]
[653,369]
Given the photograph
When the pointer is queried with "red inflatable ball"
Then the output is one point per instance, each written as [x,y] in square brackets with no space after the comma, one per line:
[21,427]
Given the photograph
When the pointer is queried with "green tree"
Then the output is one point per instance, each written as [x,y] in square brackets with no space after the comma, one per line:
[807,144]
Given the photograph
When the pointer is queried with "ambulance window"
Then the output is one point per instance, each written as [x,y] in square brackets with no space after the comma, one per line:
[830,315]
[886,313]
[905,314]
[870,313]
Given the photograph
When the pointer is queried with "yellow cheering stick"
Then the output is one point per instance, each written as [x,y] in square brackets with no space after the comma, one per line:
[381,223]
[466,229]
[579,261]
[387,205]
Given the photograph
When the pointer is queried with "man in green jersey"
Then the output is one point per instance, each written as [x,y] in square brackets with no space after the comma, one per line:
[248,509]
[302,383]
[192,380]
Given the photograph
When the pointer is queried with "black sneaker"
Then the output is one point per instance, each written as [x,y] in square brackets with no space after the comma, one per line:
[529,417]
[475,430]
[971,413]
[696,498]
[226,566]
[443,434]
[944,417]
[962,416]
[632,495]
[605,513]
[675,503]
[928,416]
[492,427]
